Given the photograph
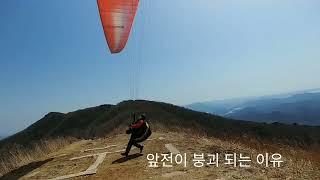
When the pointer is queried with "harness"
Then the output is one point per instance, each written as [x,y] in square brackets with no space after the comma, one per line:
[145,135]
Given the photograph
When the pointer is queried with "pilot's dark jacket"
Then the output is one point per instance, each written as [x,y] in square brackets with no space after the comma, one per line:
[140,131]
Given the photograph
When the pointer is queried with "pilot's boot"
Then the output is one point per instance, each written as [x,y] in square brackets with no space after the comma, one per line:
[125,154]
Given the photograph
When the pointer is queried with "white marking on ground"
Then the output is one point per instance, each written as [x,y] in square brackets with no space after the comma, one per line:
[86,156]
[97,154]
[60,155]
[121,150]
[172,149]
[91,170]
[172,174]
[94,167]
[160,138]
[94,149]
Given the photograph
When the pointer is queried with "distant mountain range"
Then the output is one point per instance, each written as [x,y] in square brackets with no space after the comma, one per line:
[301,107]
[99,121]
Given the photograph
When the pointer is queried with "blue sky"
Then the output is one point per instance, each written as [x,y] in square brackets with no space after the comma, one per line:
[54,56]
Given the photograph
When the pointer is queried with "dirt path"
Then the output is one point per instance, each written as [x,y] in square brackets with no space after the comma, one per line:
[101,158]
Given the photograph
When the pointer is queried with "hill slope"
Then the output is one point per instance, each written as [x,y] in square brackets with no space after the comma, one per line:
[77,158]
[189,131]
[101,120]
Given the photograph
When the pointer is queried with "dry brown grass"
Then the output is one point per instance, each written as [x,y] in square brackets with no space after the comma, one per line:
[17,156]
[296,162]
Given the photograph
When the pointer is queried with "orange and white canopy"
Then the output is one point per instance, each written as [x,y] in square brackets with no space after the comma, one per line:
[117,18]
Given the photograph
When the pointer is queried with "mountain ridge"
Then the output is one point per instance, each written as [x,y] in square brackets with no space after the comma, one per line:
[45,149]
[100,120]
[301,108]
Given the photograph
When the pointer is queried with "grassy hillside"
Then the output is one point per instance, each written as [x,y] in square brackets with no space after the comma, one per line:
[33,147]
[297,164]
[99,121]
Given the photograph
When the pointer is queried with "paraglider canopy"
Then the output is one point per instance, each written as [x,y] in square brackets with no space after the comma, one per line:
[117,17]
